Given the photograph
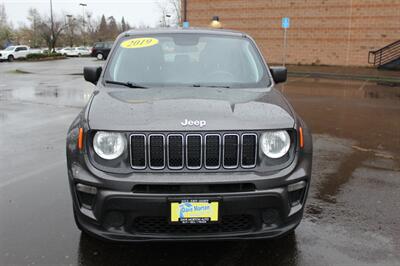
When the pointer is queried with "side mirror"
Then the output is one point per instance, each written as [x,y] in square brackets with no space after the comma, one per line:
[279,74]
[92,74]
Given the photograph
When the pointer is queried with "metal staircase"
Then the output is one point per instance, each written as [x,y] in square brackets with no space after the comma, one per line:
[387,57]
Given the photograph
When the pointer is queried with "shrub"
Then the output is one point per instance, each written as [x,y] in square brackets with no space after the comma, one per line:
[40,56]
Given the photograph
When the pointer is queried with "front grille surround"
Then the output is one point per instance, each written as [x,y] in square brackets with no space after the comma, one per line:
[170,166]
[134,165]
[243,164]
[150,159]
[190,167]
[191,160]
[224,151]
[208,166]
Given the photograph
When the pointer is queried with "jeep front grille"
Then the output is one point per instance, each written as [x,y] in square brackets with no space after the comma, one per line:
[175,151]
[193,151]
[157,151]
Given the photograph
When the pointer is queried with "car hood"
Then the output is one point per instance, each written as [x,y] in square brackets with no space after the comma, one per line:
[165,109]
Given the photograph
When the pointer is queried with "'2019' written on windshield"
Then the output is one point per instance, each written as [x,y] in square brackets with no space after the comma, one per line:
[139,43]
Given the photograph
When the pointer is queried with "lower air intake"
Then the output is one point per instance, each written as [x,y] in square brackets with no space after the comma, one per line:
[160,225]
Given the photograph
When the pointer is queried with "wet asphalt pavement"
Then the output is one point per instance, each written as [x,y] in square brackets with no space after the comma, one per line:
[352,215]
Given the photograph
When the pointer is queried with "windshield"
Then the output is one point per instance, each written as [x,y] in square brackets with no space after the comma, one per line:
[9,48]
[185,59]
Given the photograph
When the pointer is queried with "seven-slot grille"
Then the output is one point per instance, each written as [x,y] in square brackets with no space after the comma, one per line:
[193,151]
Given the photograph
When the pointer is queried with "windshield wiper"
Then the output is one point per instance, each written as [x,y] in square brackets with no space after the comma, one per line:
[210,86]
[126,84]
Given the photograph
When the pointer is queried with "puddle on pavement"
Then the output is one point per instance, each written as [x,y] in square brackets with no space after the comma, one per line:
[345,109]
[352,248]
[19,71]
[353,122]
[346,89]
[48,94]
[47,91]
[331,183]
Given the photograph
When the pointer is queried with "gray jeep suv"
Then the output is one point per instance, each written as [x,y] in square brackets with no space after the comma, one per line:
[186,138]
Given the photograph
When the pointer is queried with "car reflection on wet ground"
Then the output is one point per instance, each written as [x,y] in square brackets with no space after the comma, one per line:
[352,215]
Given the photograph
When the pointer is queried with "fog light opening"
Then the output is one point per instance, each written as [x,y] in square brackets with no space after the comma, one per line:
[86,195]
[270,217]
[296,193]
[114,219]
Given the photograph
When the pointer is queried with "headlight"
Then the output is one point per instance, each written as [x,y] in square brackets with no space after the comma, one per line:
[275,144]
[109,145]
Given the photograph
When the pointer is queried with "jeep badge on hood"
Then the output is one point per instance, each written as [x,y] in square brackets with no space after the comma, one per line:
[197,123]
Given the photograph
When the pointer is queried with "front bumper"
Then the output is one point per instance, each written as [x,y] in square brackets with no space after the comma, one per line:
[117,213]
[4,57]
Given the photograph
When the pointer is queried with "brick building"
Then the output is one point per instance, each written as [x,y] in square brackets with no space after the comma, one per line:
[323,32]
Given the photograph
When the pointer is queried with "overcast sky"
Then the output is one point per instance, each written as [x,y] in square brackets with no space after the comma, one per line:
[135,11]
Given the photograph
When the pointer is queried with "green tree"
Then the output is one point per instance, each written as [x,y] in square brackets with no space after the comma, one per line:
[102,31]
[35,20]
[123,25]
[128,27]
[112,28]
[72,24]
[51,34]
[170,13]
[5,27]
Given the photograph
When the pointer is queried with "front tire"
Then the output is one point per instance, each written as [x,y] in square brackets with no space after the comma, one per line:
[100,56]
[10,58]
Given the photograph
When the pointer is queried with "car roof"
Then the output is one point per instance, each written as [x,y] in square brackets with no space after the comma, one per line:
[192,30]
[104,42]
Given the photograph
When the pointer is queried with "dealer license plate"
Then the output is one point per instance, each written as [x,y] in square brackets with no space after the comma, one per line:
[194,211]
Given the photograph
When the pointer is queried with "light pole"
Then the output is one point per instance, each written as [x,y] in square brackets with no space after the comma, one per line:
[184,10]
[52,27]
[71,30]
[83,22]
[88,27]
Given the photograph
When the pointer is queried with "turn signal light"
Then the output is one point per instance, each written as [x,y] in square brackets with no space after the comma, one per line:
[301,139]
[80,139]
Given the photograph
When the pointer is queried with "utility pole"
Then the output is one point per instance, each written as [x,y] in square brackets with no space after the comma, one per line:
[83,22]
[52,27]
[35,43]
[284,45]
[285,26]
[184,10]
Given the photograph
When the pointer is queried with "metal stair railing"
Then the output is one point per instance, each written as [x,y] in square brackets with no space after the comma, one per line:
[385,54]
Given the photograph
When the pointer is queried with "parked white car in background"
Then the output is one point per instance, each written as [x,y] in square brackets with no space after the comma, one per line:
[83,51]
[14,52]
[75,51]
[35,51]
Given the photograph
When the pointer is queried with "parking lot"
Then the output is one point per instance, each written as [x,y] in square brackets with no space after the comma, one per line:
[352,214]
